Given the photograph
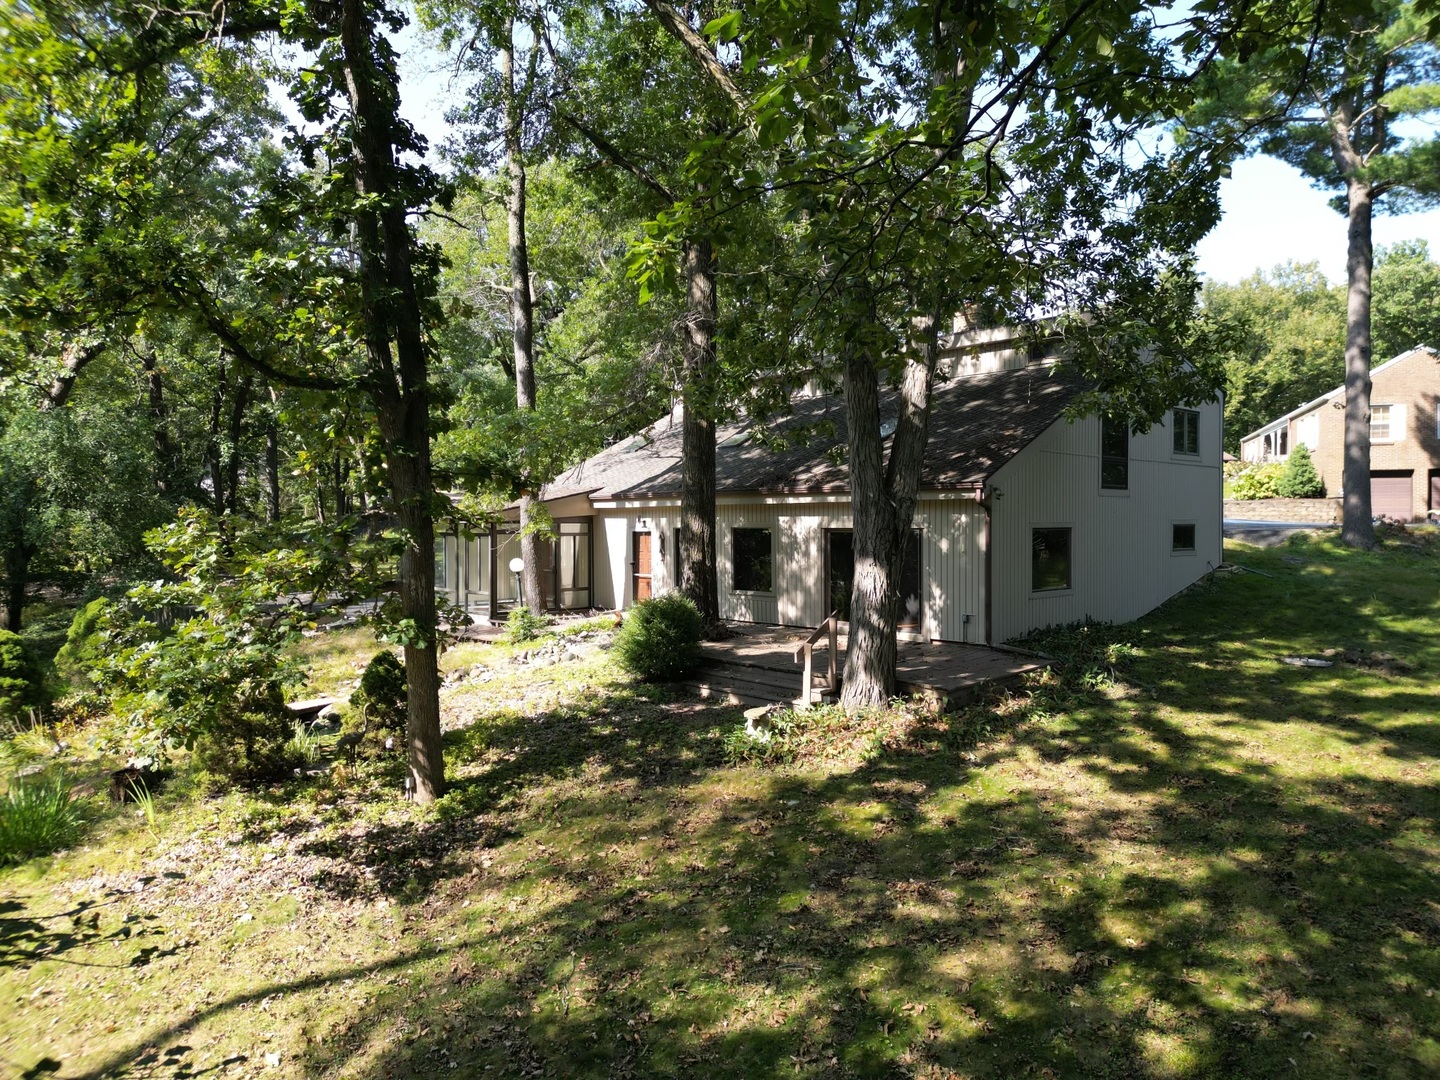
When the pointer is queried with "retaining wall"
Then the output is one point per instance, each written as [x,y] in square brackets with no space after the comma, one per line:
[1294,511]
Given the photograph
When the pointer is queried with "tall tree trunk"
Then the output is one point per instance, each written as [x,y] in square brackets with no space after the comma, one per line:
[234,434]
[17,580]
[697,478]
[272,459]
[869,677]
[75,358]
[1356,527]
[397,383]
[883,496]
[165,463]
[522,310]
[213,452]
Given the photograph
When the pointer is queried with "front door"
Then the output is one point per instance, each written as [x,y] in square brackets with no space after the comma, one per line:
[640,562]
[840,576]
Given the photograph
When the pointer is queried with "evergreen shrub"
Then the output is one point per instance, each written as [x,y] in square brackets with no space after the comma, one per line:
[383,692]
[659,640]
[1300,480]
[19,681]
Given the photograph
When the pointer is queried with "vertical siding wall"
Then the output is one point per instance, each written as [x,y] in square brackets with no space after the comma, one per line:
[613,578]
[1120,543]
[952,568]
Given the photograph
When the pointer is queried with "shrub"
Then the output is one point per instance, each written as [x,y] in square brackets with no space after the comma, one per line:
[1299,480]
[1257,482]
[250,746]
[523,625]
[84,646]
[660,638]
[37,816]
[215,682]
[19,682]
[383,691]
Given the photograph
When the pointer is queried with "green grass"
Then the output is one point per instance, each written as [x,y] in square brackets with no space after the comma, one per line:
[1185,859]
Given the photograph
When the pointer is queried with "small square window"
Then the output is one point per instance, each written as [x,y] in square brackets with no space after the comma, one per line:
[1182,539]
[1380,423]
[1114,454]
[1049,559]
[753,561]
[1187,431]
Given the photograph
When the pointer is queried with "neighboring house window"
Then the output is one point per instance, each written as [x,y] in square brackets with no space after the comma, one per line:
[1187,431]
[1182,539]
[753,562]
[1387,423]
[1049,559]
[1380,423]
[1114,454]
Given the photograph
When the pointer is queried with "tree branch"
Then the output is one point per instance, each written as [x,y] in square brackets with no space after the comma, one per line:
[613,152]
[680,29]
[216,323]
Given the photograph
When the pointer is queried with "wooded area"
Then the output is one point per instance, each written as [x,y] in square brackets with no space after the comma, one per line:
[289,324]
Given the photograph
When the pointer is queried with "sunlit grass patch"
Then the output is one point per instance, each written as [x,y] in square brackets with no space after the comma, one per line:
[1175,855]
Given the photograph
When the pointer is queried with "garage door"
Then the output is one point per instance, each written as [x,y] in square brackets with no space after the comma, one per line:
[1390,496]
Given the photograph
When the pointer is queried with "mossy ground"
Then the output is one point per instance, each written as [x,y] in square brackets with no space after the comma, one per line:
[1218,865]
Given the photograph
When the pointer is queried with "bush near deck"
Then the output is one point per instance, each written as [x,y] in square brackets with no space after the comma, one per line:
[1180,856]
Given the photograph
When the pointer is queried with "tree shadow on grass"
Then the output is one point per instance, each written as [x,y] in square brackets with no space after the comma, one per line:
[625,738]
[1174,901]
[1117,890]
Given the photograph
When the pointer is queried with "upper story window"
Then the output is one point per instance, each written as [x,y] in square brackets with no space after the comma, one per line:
[1387,423]
[1114,454]
[1187,431]
[754,563]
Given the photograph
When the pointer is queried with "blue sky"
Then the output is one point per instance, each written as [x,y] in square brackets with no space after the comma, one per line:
[1272,214]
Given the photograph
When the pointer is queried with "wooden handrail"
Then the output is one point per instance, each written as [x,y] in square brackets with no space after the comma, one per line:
[806,654]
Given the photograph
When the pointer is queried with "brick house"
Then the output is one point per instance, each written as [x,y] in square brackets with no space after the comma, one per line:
[1404,436]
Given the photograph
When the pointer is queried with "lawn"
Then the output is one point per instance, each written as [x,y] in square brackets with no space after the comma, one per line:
[1211,864]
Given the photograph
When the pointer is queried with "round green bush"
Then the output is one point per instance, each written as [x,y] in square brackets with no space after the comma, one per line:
[383,691]
[19,682]
[659,640]
[1257,482]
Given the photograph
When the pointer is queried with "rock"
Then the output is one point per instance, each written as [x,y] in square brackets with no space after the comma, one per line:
[1305,661]
[757,722]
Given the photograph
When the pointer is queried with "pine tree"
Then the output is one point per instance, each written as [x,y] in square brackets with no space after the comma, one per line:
[1300,480]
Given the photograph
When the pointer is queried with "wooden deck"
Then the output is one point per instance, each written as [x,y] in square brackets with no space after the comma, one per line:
[947,671]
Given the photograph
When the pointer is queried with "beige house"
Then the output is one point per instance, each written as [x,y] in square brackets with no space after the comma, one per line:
[1404,436]
[1024,520]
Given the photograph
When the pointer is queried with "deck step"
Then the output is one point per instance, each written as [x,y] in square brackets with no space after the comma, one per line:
[749,685]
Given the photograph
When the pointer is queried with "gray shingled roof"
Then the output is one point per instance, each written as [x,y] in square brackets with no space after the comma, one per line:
[977,424]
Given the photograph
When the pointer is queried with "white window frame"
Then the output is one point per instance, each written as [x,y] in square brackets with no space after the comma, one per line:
[1395,423]
[1189,552]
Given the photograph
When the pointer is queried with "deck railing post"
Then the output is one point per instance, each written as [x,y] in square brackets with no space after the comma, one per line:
[834,624]
[805,687]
